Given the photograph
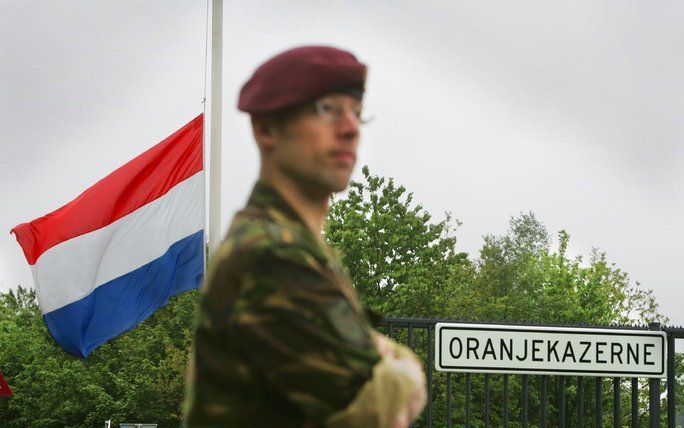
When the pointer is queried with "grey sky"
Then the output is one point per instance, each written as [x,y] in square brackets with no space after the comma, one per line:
[483,108]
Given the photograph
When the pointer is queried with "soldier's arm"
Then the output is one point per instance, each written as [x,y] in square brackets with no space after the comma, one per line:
[295,327]
[395,395]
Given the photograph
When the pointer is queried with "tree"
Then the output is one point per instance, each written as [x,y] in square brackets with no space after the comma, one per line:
[518,277]
[139,376]
[398,258]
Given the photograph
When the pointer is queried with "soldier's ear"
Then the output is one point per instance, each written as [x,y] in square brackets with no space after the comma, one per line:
[264,131]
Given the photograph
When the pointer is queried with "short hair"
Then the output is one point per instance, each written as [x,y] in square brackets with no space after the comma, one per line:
[279,119]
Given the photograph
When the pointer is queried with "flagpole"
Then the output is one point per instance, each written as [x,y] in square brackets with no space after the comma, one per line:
[215,135]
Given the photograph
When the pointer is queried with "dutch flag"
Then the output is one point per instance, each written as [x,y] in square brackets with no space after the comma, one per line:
[107,260]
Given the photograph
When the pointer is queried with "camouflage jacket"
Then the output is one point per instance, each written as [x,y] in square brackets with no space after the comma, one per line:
[282,340]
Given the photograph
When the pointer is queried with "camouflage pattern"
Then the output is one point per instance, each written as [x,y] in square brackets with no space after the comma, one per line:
[282,339]
[381,399]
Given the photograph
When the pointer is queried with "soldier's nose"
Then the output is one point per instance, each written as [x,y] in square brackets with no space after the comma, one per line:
[348,125]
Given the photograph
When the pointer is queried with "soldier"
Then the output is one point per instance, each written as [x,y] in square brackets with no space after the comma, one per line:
[283,340]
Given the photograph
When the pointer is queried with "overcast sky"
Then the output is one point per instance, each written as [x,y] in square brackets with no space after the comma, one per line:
[486,109]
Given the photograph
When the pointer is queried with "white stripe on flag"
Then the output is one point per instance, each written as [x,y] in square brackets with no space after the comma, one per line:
[73,269]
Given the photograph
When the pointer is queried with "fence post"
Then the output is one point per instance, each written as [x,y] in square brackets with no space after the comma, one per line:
[410,336]
[486,400]
[671,384]
[580,402]
[524,405]
[654,392]
[617,407]
[598,401]
[561,402]
[634,422]
[428,368]
[544,398]
[505,401]
[448,409]
[467,403]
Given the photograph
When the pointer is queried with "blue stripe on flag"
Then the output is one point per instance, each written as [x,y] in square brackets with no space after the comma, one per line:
[81,326]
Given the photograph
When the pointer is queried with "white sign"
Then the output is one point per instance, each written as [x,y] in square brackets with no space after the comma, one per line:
[511,349]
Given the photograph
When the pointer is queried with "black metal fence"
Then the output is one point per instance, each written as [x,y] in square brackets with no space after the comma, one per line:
[452,401]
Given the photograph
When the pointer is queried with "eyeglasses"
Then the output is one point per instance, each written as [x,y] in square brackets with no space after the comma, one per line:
[332,111]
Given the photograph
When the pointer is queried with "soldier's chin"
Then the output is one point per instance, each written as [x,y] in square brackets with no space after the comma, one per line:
[337,185]
[341,188]
[331,180]
[341,183]
[325,184]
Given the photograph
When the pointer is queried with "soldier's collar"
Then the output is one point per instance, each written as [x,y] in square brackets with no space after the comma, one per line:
[266,197]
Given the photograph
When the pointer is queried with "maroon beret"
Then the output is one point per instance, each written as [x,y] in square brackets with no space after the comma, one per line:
[300,75]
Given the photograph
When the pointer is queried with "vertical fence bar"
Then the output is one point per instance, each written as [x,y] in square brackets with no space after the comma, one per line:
[410,335]
[467,415]
[580,402]
[654,392]
[598,401]
[428,375]
[617,408]
[671,384]
[635,403]
[505,401]
[654,403]
[486,400]
[561,402]
[544,394]
[390,330]
[448,409]
[523,405]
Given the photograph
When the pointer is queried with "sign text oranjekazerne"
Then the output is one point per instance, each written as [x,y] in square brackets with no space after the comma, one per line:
[488,348]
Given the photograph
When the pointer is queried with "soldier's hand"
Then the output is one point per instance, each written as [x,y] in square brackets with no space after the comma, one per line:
[383,345]
[403,419]
[418,396]
[410,365]
[418,399]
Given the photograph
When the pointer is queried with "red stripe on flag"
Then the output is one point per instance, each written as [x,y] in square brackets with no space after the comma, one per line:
[5,390]
[138,182]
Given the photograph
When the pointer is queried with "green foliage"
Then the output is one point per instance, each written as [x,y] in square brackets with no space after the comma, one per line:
[518,277]
[137,377]
[398,258]
[404,264]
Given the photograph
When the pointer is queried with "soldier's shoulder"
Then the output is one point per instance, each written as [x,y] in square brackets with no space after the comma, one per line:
[250,238]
